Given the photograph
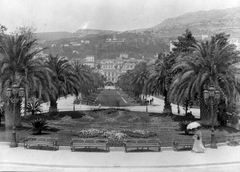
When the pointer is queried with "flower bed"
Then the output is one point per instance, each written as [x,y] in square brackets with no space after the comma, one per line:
[139,133]
[115,138]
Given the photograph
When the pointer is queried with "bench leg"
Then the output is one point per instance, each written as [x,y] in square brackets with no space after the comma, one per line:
[72,149]
[108,149]
[175,148]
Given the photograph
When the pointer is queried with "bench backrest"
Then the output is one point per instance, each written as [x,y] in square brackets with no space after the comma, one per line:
[141,141]
[89,141]
[41,139]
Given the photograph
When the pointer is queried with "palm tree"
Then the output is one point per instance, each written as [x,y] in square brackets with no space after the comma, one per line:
[211,64]
[138,78]
[84,76]
[160,79]
[18,58]
[64,79]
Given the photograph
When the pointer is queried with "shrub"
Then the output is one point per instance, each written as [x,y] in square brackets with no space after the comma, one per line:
[139,133]
[233,118]
[34,107]
[208,124]
[38,125]
[183,125]
[89,133]
[88,118]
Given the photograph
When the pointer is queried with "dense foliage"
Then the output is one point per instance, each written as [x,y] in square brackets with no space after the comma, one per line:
[182,75]
[44,78]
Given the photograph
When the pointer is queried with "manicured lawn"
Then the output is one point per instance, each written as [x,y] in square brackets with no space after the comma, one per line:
[65,125]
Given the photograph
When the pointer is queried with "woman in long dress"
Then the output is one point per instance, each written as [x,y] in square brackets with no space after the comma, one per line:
[198,145]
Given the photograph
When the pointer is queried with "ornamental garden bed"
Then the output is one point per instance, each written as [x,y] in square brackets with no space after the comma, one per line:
[112,124]
[115,138]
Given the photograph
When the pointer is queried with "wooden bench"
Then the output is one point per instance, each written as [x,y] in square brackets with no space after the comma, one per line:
[142,143]
[88,143]
[183,144]
[233,139]
[40,142]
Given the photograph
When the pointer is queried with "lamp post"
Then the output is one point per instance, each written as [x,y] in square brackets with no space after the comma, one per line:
[1,111]
[14,94]
[212,94]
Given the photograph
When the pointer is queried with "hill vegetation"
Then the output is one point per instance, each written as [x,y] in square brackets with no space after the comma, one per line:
[143,42]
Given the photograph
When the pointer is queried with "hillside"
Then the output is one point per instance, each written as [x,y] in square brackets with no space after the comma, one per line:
[142,42]
[49,36]
[201,23]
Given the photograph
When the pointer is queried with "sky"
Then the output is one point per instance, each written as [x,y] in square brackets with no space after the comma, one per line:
[118,15]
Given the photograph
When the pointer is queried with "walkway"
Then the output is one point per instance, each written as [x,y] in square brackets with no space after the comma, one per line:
[158,104]
[214,160]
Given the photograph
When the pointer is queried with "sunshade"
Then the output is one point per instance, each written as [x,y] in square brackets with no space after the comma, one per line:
[193,125]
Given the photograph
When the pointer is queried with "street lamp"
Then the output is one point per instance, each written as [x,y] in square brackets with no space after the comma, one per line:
[14,94]
[212,94]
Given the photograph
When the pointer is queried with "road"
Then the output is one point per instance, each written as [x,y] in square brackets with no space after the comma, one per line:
[114,98]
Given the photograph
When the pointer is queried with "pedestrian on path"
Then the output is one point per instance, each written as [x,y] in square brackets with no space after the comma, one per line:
[198,145]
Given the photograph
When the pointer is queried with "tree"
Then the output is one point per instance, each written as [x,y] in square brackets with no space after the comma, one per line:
[138,78]
[160,79]
[184,43]
[18,58]
[64,79]
[210,64]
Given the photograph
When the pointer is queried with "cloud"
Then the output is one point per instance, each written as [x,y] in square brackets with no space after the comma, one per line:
[85,25]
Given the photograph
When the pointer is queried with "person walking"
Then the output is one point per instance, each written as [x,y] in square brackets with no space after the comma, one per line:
[198,145]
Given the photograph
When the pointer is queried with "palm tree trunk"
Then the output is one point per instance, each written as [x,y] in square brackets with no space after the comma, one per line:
[167,104]
[205,111]
[53,106]
[10,117]
[25,103]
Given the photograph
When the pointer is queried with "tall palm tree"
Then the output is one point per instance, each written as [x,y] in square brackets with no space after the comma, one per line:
[211,64]
[84,75]
[138,78]
[64,79]
[160,79]
[18,58]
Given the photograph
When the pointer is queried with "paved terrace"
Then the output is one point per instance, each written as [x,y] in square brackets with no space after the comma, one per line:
[225,158]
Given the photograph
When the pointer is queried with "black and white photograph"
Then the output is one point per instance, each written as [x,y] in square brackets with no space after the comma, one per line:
[120,85]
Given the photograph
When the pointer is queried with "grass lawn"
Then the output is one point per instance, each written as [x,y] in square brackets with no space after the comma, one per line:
[65,125]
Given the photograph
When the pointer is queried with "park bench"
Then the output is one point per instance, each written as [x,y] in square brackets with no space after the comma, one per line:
[183,144]
[41,142]
[142,143]
[89,143]
[179,143]
[233,139]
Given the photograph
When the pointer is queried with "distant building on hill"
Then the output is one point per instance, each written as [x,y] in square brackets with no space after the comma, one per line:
[235,41]
[89,61]
[204,37]
[172,45]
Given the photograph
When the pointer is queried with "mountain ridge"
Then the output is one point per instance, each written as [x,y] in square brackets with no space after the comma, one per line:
[200,23]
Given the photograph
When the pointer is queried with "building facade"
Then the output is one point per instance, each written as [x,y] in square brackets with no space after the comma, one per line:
[113,68]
